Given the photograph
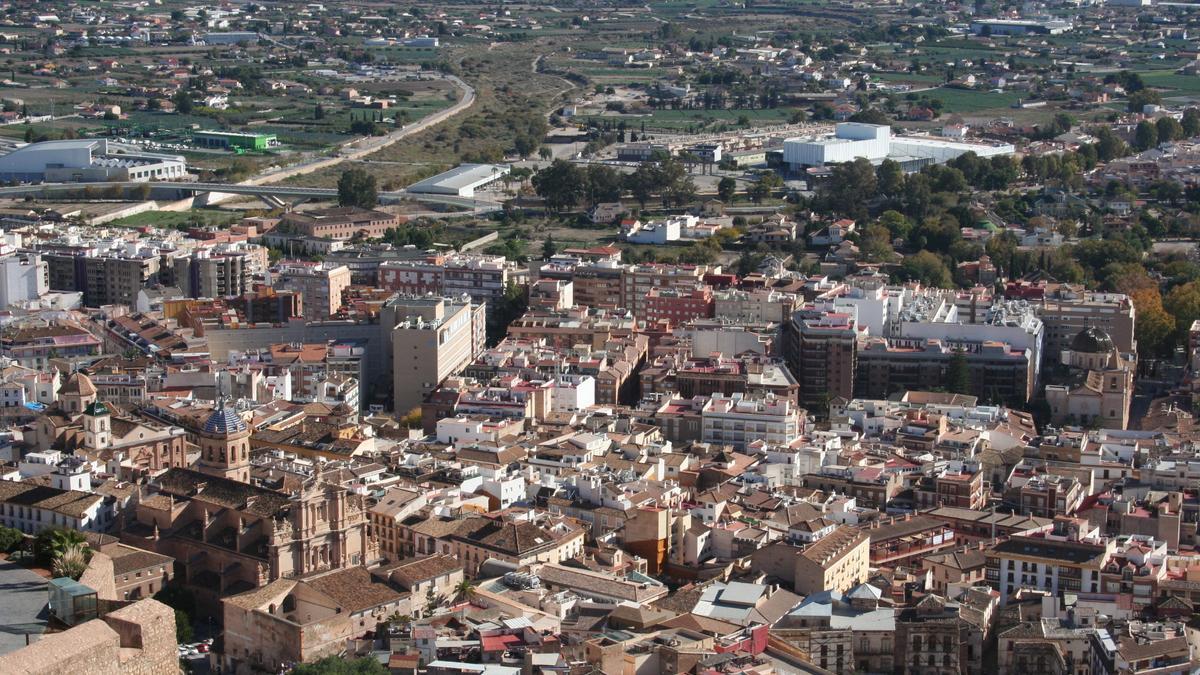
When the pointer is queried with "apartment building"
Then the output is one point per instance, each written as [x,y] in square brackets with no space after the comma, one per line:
[1066,310]
[763,305]
[320,285]
[483,277]
[836,562]
[205,274]
[599,284]
[421,276]
[23,277]
[678,305]
[33,346]
[637,280]
[433,339]
[1057,564]
[737,420]
[821,348]
[996,370]
[340,222]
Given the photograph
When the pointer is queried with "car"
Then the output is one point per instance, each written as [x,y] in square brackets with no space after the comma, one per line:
[202,648]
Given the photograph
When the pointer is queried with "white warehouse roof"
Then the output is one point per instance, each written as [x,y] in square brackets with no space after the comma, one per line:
[461,180]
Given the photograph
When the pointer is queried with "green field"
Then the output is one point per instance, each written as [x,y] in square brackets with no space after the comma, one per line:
[1185,85]
[970,100]
[178,219]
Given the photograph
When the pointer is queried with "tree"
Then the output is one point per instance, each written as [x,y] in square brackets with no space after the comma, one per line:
[51,542]
[1169,129]
[1108,145]
[548,248]
[958,373]
[889,178]
[926,268]
[1191,122]
[10,539]
[183,627]
[319,112]
[464,590]
[726,189]
[1141,98]
[876,243]
[850,184]
[1183,303]
[870,116]
[336,665]
[356,187]
[545,153]
[1146,135]
[183,102]
[560,185]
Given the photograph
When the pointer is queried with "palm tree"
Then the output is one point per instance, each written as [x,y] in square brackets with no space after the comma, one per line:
[51,544]
[71,562]
[464,590]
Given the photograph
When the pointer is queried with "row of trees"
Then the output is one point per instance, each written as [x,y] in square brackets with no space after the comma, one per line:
[564,185]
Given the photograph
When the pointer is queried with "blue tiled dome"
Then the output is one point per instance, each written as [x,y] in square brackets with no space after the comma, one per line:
[224,420]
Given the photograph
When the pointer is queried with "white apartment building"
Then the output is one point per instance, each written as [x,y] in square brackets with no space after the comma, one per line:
[737,421]
[23,277]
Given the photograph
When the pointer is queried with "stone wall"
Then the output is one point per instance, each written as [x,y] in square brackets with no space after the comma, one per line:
[99,577]
[135,640]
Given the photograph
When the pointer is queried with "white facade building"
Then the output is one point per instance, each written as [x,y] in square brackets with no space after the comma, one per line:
[23,277]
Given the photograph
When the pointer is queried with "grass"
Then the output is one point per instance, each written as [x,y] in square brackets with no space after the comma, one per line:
[1169,79]
[970,100]
[177,219]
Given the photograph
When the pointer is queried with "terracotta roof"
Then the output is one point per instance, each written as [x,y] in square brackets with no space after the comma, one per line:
[71,503]
[409,574]
[355,589]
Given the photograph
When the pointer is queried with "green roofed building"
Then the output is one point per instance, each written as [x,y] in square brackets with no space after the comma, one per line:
[233,139]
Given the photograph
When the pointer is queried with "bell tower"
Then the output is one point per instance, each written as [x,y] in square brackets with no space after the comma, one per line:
[225,445]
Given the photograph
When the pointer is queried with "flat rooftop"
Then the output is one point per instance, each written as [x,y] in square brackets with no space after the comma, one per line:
[460,177]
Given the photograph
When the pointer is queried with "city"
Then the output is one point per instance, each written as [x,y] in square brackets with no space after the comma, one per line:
[707,337]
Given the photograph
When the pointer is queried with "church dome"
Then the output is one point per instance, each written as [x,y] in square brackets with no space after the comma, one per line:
[224,420]
[79,384]
[1092,340]
[96,409]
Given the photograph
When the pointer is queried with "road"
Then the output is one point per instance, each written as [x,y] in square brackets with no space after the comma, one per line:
[360,148]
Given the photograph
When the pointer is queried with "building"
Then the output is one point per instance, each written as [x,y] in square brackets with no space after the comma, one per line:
[420,276]
[1020,27]
[461,181]
[736,420]
[225,445]
[875,142]
[837,562]
[207,274]
[637,280]
[340,222]
[821,349]
[754,306]
[291,621]
[433,338]
[996,371]
[228,536]
[484,278]
[88,161]
[32,508]
[34,346]
[233,140]
[677,306]
[1101,390]
[320,285]
[1054,564]
[1065,310]
[23,277]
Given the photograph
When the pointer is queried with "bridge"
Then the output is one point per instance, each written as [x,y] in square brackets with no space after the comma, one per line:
[273,193]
